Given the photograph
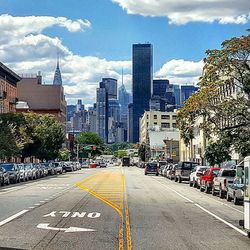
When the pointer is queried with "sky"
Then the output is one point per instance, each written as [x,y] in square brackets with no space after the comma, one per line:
[94,38]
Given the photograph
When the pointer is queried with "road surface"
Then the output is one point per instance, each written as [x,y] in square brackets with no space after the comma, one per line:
[116,208]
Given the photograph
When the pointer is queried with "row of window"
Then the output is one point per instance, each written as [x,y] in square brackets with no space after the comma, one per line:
[165,125]
[164,117]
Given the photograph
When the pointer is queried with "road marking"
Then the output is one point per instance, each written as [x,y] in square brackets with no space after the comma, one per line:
[66,230]
[37,204]
[207,211]
[13,217]
[31,207]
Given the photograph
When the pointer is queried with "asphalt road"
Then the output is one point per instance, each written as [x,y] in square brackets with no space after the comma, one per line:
[116,208]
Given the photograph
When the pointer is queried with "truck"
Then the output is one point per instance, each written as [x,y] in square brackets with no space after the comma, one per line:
[126,161]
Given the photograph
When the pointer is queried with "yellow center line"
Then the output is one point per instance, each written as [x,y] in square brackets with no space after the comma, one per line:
[110,188]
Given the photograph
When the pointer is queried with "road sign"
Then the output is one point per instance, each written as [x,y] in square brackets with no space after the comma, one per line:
[66,230]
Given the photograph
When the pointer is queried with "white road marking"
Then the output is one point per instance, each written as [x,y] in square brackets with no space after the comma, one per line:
[207,211]
[31,207]
[37,204]
[13,217]
[66,230]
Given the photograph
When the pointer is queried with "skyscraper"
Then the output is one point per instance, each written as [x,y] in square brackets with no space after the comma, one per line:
[123,97]
[102,112]
[177,94]
[160,87]
[57,77]
[111,87]
[142,83]
[186,92]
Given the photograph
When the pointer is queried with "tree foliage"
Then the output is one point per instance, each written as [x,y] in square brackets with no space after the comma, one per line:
[142,152]
[89,138]
[30,134]
[226,113]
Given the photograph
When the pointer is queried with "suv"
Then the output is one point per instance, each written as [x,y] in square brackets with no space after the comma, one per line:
[225,176]
[235,191]
[183,170]
[4,177]
[13,170]
[195,175]
[152,168]
[205,182]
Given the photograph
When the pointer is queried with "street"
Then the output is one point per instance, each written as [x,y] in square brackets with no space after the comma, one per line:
[116,208]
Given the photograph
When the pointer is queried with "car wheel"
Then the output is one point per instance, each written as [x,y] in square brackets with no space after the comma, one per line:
[156,174]
[213,191]
[2,183]
[221,194]
[228,198]
[206,189]
[8,182]
[236,201]
[190,183]
[175,179]
[179,179]
[145,173]
[201,189]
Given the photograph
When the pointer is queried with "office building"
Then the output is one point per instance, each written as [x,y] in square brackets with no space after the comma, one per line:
[142,83]
[186,92]
[111,86]
[160,87]
[177,95]
[8,89]
[57,76]
[130,123]
[102,112]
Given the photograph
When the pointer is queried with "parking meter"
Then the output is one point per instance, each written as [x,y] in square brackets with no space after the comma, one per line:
[247,195]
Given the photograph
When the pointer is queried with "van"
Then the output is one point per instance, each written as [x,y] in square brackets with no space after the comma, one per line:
[183,170]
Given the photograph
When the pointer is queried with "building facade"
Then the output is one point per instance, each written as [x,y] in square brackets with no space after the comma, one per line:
[142,83]
[186,92]
[102,112]
[43,98]
[8,89]
[111,86]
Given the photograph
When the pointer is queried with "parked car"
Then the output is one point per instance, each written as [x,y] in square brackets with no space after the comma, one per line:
[84,164]
[183,170]
[195,175]
[48,167]
[152,168]
[171,171]
[235,191]
[205,182]
[102,164]
[4,177]
[67,166]
[222,180]
[40,171]
[23,172]
[162,165]
[164,171]
[57,166]
[44,168]
[13,170]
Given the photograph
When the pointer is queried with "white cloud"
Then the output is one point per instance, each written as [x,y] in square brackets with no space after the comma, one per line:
[181,71]
[183,11]
[26,50]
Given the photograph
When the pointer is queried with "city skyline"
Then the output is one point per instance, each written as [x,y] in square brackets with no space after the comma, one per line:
[92,46]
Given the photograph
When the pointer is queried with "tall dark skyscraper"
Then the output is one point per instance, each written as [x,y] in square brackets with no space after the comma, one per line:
[186,92]
[160,87]
[142,83]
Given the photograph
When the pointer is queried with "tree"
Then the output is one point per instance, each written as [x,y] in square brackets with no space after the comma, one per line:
[64,154]
[120,146]
[217,152]
[142,152]
[89,138]
[227,117]
[121,153]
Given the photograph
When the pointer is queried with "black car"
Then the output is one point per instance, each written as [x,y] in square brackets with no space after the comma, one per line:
[4,177]
[13,170]
[152,168]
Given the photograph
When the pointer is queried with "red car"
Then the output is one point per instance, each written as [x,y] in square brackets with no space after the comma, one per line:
[205,182]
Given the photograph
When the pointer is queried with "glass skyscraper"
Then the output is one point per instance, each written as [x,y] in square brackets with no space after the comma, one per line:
[142,83]
[186,92]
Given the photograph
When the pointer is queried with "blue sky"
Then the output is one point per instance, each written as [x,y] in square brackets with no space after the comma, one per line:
[180,37]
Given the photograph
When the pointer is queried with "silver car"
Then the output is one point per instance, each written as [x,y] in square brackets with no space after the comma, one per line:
[23,172]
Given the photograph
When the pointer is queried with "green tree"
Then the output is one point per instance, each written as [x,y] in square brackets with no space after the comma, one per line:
[89,138]
[121,153]
[142,152]
[64,154]
[217,153]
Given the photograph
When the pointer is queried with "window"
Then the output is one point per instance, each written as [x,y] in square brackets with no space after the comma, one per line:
[165,125]
[174,117]
[147,116]
[155,116]
[165,117]
[174,125]
[155,123]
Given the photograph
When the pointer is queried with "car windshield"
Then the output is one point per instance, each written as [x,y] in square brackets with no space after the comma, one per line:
[8,167]
[152,165]
[162,163]
[228,173]
[215,172]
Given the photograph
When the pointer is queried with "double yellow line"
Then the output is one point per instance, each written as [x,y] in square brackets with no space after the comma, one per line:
[110,188]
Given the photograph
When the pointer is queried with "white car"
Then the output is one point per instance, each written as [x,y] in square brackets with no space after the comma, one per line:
[195,175]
